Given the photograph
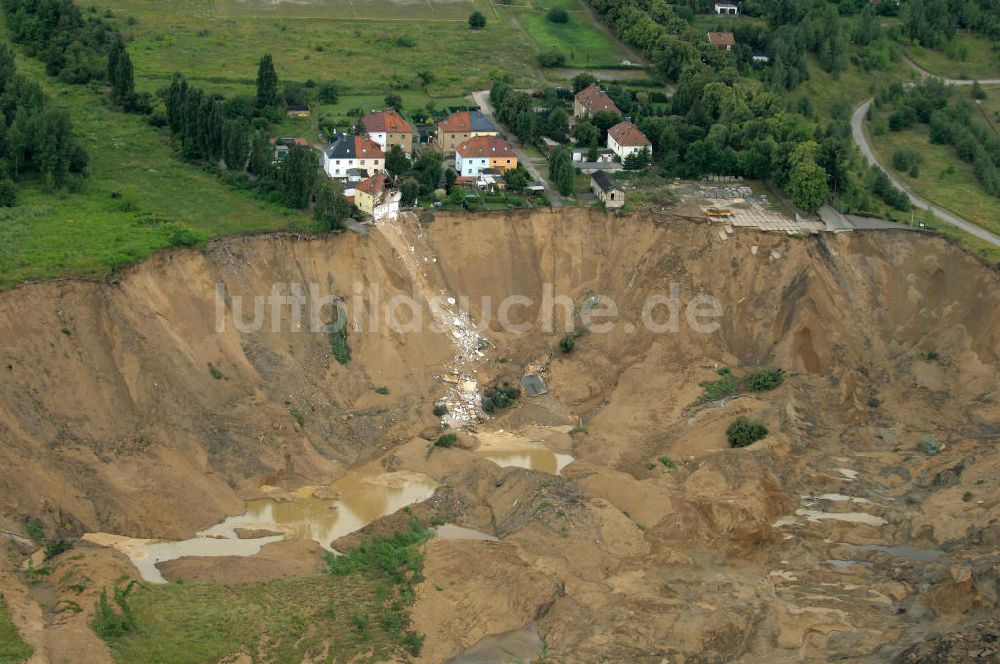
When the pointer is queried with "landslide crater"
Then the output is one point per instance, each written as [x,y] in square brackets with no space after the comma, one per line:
[125,408]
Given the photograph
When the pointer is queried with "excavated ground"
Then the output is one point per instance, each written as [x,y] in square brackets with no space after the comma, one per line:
[832,538]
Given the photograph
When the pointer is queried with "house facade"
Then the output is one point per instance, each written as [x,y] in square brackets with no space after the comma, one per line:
[460,127]
[726,9]
[376,198]
[349,152]
[607,190]
[388,128]
[592,100]
[625,139]
[475,154]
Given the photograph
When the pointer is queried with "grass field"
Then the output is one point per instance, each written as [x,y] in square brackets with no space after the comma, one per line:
[86,234]
[370,48]
[943,180]
[288,620]
[978,58]
[12,647]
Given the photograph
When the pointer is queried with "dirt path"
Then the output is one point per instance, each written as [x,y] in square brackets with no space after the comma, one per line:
[861,140]
[951,81]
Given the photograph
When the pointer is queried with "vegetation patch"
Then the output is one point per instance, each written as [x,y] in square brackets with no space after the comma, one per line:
[743,431]
[759,380]
[500,397]
[338,343]
[12,647]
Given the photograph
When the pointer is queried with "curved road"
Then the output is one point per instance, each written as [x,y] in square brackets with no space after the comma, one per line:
[861,140]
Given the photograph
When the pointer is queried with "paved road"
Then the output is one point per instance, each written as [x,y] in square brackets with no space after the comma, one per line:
[861,140]
[482,99]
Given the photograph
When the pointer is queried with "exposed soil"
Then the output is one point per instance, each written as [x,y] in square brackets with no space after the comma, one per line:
[112,421]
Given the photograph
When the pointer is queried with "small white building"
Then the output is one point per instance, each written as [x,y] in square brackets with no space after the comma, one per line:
[604,155]
[726,8]
[607,190]
[625,139]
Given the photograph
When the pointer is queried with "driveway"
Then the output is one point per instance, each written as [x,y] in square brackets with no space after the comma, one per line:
[482,99]
[861,140]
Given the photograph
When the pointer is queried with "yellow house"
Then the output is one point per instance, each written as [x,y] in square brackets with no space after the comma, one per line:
[460,127]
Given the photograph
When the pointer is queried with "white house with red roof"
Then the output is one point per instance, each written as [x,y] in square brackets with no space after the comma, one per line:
[625,139]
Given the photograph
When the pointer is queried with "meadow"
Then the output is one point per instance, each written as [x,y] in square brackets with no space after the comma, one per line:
[968,56]
[140,198]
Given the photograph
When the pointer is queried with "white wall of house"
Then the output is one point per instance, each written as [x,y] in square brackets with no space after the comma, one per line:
[389,208]
[337,168]
[621,150]
[379,137]
[470,166]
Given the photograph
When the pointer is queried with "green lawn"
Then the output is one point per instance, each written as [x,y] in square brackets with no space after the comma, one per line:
[583,44]
[368,57]
[972,56]
[288,620]
[12,646]
[456,10]
[138,195]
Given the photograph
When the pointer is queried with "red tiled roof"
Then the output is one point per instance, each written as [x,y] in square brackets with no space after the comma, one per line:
[373,185]
[721,38]
[387,121]
[457,121]
[485,146]
[627,134]
[366,148]
[595,100]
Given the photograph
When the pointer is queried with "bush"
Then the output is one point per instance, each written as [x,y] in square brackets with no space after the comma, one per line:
[108,623]
[549,59]
[382,390]
[905,159]
[929,445]
[567,344]
[338,344]
[440,410]
[762,380]
[558,15]
[743,431]
[215,371]
[498,398]
[477,21]
[667,462]
[717,389]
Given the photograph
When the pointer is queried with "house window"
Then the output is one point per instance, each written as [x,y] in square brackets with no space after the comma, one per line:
[362,162]
[338,162]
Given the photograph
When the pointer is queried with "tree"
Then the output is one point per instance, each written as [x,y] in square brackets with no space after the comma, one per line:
[978,92]
[359,128]
[561,171]
[549,59]
[449,178]
[394,101]
[331,208]
[636,161]
[426,77]
[808,185]
[329,92]
[267,83]
[583,80]
[396,162]
[261,155]
[605,120]
[120,73]
[477,21]
[557,123]
[298,176]
[236,143]
[409,189]
[586,134]
[558,15]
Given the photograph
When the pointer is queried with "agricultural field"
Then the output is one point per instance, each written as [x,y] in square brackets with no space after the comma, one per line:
[139,199]
[969,56]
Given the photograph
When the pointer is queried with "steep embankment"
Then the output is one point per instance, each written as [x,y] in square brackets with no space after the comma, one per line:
[112,420]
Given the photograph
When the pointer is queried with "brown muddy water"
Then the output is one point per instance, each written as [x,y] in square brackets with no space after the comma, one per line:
[522,451]
[322,514]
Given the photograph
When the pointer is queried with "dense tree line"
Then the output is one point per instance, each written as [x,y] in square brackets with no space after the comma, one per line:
[36,140]
[75,47]
[951,120]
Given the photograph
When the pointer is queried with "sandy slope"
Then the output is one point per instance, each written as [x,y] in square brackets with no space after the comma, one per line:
[118,426]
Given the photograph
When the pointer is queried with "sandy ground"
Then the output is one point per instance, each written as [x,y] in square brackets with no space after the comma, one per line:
[731,555]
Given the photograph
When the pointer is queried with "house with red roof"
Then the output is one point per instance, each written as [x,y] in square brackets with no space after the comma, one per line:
[460,126]
[592,100]
[348,152]
[388,128]
[625,139]
[475,154]
[722,41]
[377,198]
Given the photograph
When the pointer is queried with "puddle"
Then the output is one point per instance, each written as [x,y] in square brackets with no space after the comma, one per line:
[450,531]
[908,552]
[841,564]
[507,449]
[521,645]
[364,495]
